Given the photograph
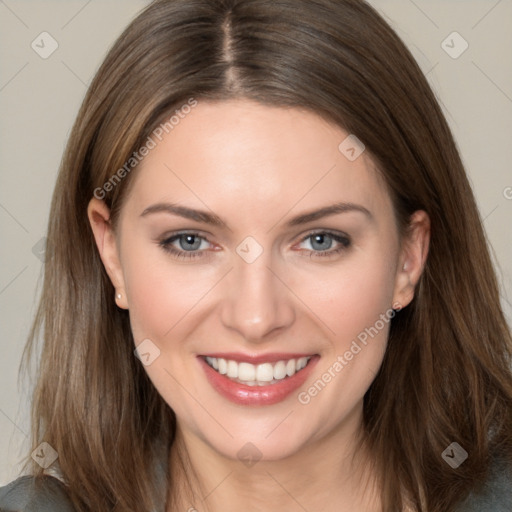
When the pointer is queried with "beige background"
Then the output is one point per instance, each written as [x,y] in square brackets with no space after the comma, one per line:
[39,99]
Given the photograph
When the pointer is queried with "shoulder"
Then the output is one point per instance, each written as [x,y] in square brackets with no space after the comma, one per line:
[495,495]
[30,494]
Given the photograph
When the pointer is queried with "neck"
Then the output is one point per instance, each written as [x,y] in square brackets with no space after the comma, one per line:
[329,474]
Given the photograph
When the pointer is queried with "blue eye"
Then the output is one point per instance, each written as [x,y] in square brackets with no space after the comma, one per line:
[189,245]
[189,242]
[321,243]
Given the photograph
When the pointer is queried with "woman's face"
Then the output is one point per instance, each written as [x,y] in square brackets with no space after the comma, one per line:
[252,243]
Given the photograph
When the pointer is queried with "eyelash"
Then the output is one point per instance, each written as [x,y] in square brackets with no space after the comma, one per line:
[343,241]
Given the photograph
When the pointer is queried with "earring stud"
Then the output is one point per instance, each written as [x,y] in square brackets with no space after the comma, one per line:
[118,295]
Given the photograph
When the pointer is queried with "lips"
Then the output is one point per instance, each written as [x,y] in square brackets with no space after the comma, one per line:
[263,380]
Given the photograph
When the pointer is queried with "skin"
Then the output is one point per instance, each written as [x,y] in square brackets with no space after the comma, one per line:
[256,167]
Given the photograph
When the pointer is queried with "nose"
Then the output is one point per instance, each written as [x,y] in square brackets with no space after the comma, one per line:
[257,303]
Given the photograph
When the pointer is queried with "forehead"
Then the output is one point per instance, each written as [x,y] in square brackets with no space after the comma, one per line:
[242,156]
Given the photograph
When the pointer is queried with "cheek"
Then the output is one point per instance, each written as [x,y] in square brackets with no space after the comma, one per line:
[348,298]
[164,301]
[354,304]
[161,293]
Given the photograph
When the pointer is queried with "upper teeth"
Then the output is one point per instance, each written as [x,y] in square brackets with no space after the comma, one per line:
[250,373]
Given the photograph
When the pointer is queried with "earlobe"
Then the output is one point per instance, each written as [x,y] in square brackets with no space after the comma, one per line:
[99,219]
[413,256]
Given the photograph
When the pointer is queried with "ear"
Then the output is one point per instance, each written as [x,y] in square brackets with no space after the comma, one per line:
[413,255]
[99,218]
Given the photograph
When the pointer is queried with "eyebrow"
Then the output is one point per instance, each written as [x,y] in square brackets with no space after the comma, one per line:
[215,220]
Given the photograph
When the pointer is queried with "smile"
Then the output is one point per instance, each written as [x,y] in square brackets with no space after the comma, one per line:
[263,374]
[267,380]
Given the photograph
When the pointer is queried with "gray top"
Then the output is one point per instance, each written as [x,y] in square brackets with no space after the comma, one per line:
[22,496]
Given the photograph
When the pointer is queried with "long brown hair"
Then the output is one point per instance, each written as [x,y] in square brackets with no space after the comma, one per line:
[446,376]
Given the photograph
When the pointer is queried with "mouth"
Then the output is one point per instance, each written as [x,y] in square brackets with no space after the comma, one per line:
[263,374]
[262,380]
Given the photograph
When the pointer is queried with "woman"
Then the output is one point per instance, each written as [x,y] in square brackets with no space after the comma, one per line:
[267,282]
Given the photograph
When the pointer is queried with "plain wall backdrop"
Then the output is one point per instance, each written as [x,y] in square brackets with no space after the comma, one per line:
[41,91]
